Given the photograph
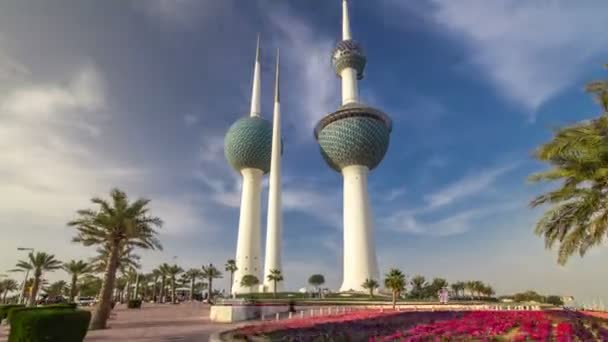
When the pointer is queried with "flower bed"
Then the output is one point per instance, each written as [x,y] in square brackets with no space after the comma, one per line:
[374,326]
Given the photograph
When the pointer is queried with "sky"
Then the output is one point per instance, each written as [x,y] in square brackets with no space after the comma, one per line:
[139,94]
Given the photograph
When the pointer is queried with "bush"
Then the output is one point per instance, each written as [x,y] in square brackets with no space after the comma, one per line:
[555,300]
[48,325]
[4,309]
[13,311]
[134,304]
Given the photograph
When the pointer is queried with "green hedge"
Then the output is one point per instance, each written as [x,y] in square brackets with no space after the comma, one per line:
[48,325]
[4,310]
[134,304]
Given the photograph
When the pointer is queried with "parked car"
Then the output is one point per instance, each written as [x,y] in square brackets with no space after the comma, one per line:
[86,301]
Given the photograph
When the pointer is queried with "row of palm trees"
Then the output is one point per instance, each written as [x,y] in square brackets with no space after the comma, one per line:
[395,281]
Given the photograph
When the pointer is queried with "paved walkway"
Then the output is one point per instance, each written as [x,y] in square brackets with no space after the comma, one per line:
[186,322]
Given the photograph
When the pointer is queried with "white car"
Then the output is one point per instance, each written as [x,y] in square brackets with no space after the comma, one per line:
[86,301]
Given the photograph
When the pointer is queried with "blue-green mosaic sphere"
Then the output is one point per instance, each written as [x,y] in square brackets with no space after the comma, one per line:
[354,140]
[248,144]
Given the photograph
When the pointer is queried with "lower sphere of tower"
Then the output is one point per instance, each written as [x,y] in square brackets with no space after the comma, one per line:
[354,139]
[248,144]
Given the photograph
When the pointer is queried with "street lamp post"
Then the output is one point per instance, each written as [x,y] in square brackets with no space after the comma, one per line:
[27,273]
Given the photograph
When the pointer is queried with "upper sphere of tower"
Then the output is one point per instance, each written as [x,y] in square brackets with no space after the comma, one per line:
[354,135]
[248,144]
[349,54]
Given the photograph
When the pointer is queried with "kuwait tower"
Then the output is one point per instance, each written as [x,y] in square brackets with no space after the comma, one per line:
[247,147]
[353,141]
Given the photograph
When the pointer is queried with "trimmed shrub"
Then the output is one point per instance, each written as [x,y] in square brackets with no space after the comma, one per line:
[61,306]
[48,325]
[134,304]
[4,309]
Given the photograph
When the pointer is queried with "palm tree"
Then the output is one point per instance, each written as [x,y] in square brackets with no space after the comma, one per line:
[395,281]
[458,287]
[371,285]
[192,274]
[164,272]
[418,283]
[6,286]
[210,273]
[316,280]
[156,273]
[249,281]
[230,267]
[57,288]
[600,90]
[40,263]
[27,268]
[172,273]
[127,259]
[76,269]
[275,276]
[578,156]
[115,225]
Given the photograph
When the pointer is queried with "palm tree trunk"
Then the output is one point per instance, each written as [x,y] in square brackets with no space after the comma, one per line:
[192,289]
[394,299]
[274,290]
[102,311]
[210,289]
[162,290]
[231,280]
[371,292]
[73,287]
[154,290]
[136,294]
[4,296]
[172,290]
[34,292]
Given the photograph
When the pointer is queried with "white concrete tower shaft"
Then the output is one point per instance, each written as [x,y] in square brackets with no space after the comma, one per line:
[274,228]
[350,87]
[360,261]
[249,241]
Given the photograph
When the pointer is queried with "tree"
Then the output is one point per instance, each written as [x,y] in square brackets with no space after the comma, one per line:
[6,286]
[275,276]
[578,156]
[436,285]
[249,281]
[89,285]
[156,273]
[27,269]
[370,285]
[127,259]
[458,288]
[230,267]
[164,272]
[57,288]
[172,273]
[395,281]
[316,280]
[76,269]
[554,300]
[39,263]
[418,284]
[210,273]
[116,225]
[193,274]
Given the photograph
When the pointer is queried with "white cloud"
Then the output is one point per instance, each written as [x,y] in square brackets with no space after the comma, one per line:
[191,119]
[83,93]
[531,50]
[467,186]
[184,13]
[308,53]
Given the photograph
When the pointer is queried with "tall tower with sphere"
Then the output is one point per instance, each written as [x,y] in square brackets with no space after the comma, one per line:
[353,141]
[247,147]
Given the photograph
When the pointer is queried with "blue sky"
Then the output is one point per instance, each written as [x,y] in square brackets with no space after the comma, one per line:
[138,95]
